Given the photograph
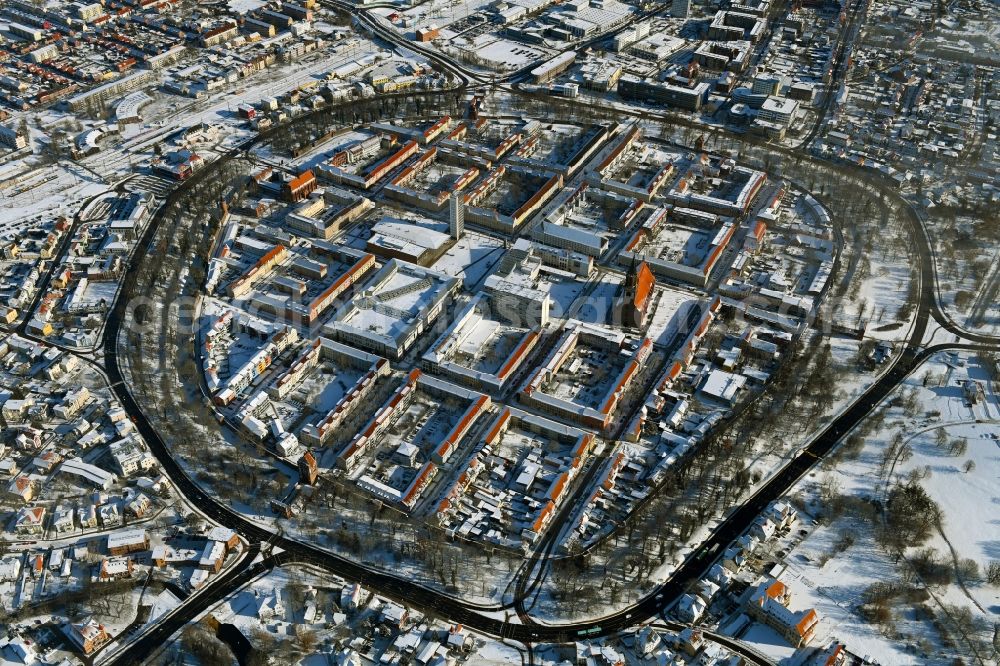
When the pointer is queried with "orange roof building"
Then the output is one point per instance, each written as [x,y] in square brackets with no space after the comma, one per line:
[633,303]
[300,187]
[769,604]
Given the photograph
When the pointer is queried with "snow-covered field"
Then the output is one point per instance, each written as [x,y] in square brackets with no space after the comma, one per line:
[931,413]
[968,271]
[55,190]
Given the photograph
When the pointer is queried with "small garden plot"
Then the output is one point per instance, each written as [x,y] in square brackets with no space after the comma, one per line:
[494,53]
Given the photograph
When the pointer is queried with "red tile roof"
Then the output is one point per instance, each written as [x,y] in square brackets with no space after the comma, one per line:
[301,180]
[805,625]
[644,286]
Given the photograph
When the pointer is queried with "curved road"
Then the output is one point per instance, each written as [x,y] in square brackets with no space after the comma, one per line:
[456,610]
[416,595]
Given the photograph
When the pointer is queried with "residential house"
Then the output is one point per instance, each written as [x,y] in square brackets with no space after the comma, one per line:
[23,488]
[690,608]
[109,515]
[128,541]
[350,597]
[114,568]
[213,556]
[139,506]
[394,615]
[29,520]
[62,519]
[88,635]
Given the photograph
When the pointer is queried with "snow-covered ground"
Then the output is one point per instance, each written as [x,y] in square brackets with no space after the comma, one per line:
[55,190]
[834,581]
[768,641]
[473,257]
[596,308]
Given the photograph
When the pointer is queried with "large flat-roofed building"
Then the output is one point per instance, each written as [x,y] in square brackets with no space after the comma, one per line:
[691,98]
[553,68]
[778,110]
[416,241]
[733,56]
[481,348]
[393,309]
[102,93]
[766,84]
[98,476]
[730,25]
